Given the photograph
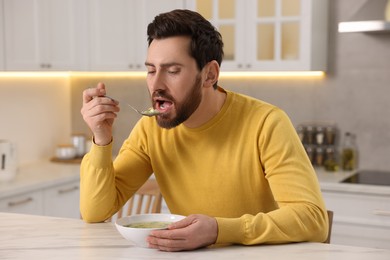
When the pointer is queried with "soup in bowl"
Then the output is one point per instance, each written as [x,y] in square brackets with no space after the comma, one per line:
[136,228]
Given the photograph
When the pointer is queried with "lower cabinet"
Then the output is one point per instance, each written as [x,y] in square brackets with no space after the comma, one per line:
[57,201]
[26,203]
[62,201]
[359,219]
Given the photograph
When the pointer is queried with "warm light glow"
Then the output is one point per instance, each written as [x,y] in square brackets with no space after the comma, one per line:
[274,74]
[34,74]
[97,74]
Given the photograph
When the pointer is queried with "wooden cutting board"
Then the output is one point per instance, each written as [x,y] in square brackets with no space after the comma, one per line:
[72,161]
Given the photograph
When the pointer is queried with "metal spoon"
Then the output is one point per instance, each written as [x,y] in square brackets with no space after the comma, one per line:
[149,112]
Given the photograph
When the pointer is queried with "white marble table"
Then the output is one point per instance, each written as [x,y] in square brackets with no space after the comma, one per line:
[38,237]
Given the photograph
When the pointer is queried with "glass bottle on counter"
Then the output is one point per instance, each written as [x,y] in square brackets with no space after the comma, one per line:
[330,163]
[349,152]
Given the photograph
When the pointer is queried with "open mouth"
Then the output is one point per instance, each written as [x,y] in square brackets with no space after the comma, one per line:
[162,105]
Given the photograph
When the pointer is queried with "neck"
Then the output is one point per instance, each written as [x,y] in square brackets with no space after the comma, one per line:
[211,104]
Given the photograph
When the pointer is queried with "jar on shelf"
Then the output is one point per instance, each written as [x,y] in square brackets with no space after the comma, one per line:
[301,133]
[330,135]
[310,153]
[320,135]
[310,134]
[319,161]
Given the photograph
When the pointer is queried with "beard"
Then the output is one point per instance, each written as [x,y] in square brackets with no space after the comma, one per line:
[184,109]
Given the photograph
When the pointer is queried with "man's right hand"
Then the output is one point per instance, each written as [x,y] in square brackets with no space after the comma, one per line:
[99,112]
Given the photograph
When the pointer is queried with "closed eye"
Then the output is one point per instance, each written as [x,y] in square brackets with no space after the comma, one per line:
[173,71]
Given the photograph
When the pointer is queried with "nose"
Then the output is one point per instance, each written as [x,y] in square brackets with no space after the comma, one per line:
[156,82]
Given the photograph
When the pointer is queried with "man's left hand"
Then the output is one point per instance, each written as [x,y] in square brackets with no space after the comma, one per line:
[193,232]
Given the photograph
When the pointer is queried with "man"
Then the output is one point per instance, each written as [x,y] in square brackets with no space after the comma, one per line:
[232,164]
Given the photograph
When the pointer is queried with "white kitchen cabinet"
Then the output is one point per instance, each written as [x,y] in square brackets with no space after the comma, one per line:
[1,37]
[360,219]
[26,203]
[45,35]
[118,39]
[62,200]
[58,201]
[269,35]
[43,188]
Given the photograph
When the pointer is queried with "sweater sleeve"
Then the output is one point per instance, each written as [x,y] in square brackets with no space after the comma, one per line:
[97,178]
[301,213]
[106,185]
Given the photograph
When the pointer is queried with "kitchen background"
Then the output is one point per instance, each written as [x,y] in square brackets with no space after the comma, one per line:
[40,112]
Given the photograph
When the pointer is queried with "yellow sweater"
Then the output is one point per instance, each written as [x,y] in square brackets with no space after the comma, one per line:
[246,167]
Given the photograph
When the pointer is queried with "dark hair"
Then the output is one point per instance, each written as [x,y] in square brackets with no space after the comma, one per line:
[206,41]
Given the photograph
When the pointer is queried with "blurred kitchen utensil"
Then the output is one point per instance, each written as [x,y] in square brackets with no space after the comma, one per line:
[7,160]
[78,141]
[66,152]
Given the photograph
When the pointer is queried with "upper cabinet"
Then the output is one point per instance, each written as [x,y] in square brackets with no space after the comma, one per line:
[269,35]
[103,35]
[1,38]
[45,35]
[118,39]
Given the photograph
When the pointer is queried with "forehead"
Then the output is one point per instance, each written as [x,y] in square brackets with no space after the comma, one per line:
[169,50]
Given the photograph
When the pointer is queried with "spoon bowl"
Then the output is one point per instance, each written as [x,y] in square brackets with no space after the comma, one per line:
[150,112]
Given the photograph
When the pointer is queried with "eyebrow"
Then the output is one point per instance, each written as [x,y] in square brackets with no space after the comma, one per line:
[164,65]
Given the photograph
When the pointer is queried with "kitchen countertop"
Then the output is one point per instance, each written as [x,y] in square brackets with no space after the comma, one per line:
[38,237]
[42,174]
[331,181]
[38,175]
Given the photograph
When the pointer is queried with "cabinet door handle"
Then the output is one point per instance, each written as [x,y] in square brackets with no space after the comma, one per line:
[380,212]
[19,202]
[62,191]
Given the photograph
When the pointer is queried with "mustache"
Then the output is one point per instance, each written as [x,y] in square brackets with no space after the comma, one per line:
[162,94]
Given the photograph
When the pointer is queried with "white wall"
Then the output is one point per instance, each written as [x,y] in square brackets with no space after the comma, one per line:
[35,115]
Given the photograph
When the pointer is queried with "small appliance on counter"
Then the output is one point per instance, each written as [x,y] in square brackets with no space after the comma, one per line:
[8,160]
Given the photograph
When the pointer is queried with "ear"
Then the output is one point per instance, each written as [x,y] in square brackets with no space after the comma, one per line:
[211,73]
